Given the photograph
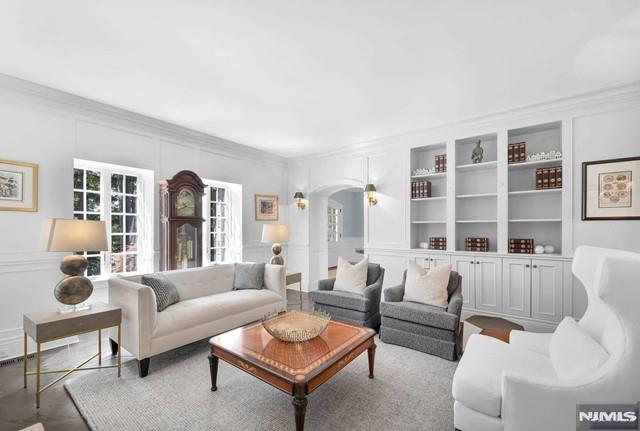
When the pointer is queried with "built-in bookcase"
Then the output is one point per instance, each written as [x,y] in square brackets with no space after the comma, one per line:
[493,199]
[429,214]
[535,213]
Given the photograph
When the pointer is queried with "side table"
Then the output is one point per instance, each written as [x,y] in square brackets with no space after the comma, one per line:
[495,327]
[292,278]
[45,326]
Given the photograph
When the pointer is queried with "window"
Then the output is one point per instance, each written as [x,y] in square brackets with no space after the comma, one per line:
[334,222]
[114,194]
[217,224]
[222,209]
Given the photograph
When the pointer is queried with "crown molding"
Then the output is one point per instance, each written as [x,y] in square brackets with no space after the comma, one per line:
[166,130]
[585,103]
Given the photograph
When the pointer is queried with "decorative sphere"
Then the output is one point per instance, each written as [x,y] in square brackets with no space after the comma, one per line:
[73,264]
[539,249]
[549,249]
[73,290]
[424,245]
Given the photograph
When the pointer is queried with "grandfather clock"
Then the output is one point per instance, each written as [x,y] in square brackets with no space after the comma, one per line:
[181,222]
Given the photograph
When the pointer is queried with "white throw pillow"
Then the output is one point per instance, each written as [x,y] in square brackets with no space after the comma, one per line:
[427,286]
[351,278]
[573,352]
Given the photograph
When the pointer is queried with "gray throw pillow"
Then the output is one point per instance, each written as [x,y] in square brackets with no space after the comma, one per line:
[248,276]
[166,292]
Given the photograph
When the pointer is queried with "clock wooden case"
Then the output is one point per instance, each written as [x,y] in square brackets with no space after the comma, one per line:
[181,222]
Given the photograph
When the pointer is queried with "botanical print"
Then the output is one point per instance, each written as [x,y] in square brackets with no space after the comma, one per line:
[614,189]
[10,185]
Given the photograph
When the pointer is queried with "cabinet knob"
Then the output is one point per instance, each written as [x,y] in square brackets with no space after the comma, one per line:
[527,265]
[535,266]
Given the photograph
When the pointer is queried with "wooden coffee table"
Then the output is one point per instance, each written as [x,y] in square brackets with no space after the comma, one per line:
[295,368]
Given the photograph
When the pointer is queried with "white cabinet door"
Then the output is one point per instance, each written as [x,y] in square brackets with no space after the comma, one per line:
[488,283]
[546,290]
[464,265]
[516,287]
[439,259]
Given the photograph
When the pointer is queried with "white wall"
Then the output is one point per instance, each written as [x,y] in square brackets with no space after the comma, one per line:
[601,125]
[352,201]
[50,128]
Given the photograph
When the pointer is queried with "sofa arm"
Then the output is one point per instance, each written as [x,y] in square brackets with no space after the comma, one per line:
[455,302]
[138,304]
[374,291]
[326,284]
[275,280]
[394,294]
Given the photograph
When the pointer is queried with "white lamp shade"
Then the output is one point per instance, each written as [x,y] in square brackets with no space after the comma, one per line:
[75,235]
[275,233]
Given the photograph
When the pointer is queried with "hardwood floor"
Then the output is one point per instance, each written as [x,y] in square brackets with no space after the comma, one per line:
[57,412]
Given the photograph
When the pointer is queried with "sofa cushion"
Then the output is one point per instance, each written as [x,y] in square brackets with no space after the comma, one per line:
[248,276]
[573,352]
[477,382]
[422,314]
[351,278]
[427,286]
[338,298]
[197,282]
[166,292]
[197,311]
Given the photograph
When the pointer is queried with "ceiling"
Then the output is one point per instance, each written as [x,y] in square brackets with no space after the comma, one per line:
[296,77]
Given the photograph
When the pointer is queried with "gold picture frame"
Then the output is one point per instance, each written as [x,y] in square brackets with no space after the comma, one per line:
[18,186]
[267,207]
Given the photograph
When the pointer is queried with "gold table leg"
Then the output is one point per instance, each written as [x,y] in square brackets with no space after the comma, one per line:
[99,346]
[301,293]
[38,375]
[25,365]
[119,349]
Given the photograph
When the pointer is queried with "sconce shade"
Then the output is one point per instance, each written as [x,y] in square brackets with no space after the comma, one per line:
[275,233]
[75,235]
[369,188]
[298,195]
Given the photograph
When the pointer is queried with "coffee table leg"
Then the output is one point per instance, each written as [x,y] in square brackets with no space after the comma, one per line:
[213,368]
[371,351]
[299,406]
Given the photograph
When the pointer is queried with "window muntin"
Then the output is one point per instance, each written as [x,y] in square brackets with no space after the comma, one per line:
[218,224]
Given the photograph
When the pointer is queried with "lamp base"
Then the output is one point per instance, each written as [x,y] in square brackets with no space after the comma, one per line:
[276,259]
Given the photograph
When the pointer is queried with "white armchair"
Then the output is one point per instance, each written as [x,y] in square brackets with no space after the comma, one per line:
[500,386]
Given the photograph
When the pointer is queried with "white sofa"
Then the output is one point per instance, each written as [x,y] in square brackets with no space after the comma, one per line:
[208,306]
[500,386]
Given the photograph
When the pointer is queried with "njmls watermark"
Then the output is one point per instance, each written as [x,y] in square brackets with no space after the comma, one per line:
[607,416]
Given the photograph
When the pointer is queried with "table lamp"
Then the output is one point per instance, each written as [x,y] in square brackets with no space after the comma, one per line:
[275,233]
[74,236]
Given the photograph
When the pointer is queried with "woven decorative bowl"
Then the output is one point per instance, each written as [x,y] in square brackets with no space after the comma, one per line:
[296,326]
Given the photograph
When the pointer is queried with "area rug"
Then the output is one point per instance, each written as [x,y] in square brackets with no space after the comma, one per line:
[411,391]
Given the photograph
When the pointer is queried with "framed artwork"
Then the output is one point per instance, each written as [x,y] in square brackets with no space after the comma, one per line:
[18,186]
[608,189]
[266,207]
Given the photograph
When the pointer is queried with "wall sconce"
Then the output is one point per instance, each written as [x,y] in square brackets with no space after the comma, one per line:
[298,199]
[370,191]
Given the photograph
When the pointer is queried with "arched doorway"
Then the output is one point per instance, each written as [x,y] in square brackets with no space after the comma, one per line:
[318,225]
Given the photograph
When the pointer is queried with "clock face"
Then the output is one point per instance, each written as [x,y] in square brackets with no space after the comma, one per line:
[186,203]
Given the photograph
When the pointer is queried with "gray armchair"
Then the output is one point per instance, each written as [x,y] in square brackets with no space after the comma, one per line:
[362,310]
[423,327]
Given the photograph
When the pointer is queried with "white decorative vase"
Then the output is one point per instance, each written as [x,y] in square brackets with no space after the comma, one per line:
[538,249]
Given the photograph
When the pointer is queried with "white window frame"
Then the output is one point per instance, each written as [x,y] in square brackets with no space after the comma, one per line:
[334,235]
[144,213]
[233,222]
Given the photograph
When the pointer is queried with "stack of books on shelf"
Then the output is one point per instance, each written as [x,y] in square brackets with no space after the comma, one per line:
[549,178]
[521,245]
[517,153]
[476,244]
[438,243]
[420,189]
[441,163]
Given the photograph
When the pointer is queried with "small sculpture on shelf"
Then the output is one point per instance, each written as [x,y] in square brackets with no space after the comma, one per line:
[477,153]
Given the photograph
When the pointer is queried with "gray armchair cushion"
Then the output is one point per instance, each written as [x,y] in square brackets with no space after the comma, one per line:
[326,284]
[339,298]
[422,314]
[373,273]
[394,294]
[455,300]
